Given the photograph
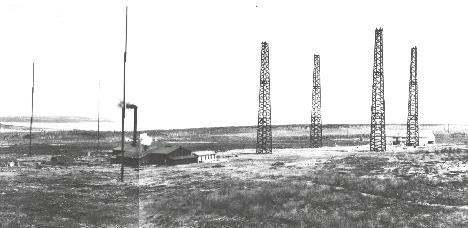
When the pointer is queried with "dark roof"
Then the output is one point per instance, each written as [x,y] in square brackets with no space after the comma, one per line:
[162,148]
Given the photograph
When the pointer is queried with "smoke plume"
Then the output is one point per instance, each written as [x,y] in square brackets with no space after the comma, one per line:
[128,105]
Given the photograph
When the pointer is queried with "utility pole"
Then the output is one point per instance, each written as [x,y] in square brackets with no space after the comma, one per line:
[316,115]
[377,136]
[32,114]
[98,119]
[264,135]
[412,124]
[123,106]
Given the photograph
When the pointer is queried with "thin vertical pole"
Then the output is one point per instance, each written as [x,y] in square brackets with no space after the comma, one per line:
[98,119]
[32,114]
[123,105]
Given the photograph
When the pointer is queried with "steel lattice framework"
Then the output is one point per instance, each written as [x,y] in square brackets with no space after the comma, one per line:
[377,136]
[264,136]
[316,115]
[412,125]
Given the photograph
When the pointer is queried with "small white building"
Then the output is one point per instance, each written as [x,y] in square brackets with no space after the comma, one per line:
[395,137]
[205,156]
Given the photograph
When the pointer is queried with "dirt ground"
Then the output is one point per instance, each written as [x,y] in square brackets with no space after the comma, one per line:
[334,186]
[75,196]
[327,187]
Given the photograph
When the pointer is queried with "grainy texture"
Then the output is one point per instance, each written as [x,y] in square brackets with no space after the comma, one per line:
[338,186]
[310,189]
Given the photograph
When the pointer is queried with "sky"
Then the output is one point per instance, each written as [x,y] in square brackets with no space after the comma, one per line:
[196,63]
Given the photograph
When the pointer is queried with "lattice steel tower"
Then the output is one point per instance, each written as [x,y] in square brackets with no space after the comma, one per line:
[316,115]
[412,124]
[377,136]
[264,136]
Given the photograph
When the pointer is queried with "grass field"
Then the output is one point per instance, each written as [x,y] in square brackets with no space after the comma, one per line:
[310,188]
[334,186]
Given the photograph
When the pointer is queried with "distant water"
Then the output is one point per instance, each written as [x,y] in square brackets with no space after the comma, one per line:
[343,128]
[89,126]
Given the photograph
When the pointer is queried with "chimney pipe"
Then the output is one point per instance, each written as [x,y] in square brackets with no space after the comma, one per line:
[135,117]
[135,125]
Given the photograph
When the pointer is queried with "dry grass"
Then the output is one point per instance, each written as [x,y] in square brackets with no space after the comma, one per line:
[327,187]
[314,189]
[66,196]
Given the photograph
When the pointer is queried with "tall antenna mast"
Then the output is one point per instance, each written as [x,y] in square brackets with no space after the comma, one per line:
[123,105]
[377,136]
[32,114]
[412,123]
[316,115]
[264,135]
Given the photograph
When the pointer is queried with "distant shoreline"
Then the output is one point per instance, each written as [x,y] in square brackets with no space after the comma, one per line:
[50,119]
[87,124]
[60,125]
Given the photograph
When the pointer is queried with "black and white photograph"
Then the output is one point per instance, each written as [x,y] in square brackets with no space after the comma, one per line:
[233,114]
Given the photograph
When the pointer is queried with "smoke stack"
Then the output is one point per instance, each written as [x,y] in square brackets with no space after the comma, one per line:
[135,110]
[135,120]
